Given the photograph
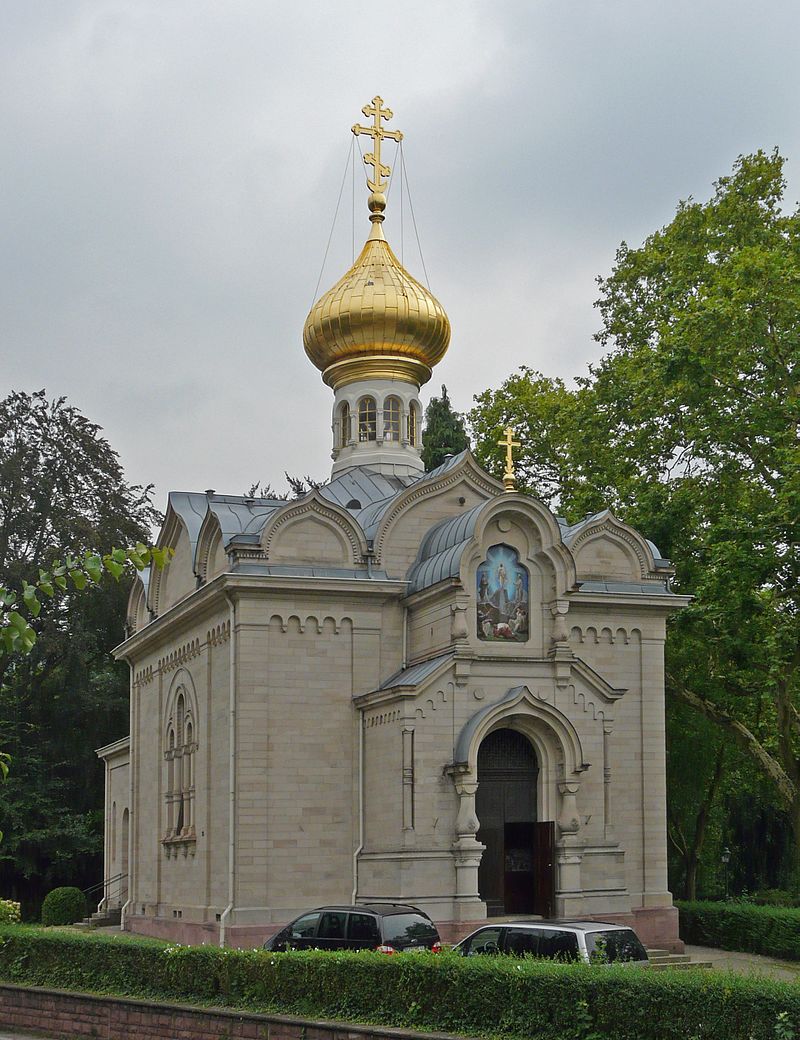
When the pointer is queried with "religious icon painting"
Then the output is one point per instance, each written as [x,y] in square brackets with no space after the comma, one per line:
[502,590]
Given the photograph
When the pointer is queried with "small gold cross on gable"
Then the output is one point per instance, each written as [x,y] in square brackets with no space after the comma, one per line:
[508,443]
[377,133]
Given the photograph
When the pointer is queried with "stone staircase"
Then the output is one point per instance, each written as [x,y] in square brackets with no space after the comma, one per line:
[110,918]
[662,959]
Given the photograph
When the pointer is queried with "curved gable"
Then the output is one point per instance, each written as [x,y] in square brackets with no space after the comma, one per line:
[313,531]
[137,617]
[456,486]
[177,580]
[606,549]
[211,558]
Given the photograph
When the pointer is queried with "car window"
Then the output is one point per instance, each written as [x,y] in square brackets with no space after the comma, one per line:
[403,929]
[618,945]
[487,940]
[560,946]
[363,927]
[332,925]
[522,942]
[304,927]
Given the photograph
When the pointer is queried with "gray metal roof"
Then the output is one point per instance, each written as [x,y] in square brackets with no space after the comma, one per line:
[364,486]
[292,570]
[627,588]
[191,507]
[440,553]
[242,516]
[417,673]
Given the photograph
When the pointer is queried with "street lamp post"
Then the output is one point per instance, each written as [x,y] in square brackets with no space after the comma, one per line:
[726,858]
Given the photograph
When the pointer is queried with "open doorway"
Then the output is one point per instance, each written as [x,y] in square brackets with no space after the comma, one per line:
[516,873]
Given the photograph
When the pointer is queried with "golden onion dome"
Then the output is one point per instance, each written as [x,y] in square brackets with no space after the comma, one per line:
[377,322]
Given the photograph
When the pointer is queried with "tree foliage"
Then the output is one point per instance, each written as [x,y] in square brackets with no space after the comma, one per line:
[444,432]
[688,429]
[63,498]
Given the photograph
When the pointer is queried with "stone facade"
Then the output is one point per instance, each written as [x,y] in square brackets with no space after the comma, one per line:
[312,681]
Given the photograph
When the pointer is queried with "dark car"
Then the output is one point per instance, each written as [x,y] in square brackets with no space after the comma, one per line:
[386,927]
[589,941]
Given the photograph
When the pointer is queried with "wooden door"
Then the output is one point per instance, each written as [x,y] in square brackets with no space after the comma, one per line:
[544,869]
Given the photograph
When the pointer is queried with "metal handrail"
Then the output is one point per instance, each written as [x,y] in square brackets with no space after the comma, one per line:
[102,884]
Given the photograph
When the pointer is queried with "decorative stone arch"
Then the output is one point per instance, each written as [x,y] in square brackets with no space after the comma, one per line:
[633,545]
[550,731]
[546,546]
[333,517]
[561,762]
[466,471]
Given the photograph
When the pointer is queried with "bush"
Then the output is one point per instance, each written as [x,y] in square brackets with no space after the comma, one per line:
[9,911]
[519,1000]
[771,930]
[775,897]
[63,906]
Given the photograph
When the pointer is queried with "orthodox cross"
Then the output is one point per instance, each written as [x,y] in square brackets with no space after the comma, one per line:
[508,477]
[377,133]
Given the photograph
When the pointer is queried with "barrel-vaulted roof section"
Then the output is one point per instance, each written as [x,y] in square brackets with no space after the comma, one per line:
[441,550]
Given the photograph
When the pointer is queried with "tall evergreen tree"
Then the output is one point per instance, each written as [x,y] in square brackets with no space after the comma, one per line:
[444,432]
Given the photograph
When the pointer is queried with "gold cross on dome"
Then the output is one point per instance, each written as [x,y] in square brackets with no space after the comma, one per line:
[509,479]
[377,133]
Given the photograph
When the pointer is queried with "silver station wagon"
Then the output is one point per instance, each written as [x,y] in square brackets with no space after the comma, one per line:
[591,941]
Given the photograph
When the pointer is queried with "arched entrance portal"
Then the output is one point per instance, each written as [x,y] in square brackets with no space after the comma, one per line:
[516,870]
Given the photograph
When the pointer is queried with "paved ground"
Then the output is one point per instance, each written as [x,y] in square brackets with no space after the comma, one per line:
[745,963]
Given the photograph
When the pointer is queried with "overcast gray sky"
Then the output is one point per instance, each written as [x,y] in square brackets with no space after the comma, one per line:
[170,170]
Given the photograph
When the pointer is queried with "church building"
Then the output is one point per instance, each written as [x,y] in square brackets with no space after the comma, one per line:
[406,686]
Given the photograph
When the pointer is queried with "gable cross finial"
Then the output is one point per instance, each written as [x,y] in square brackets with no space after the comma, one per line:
[509,478]
[377,132]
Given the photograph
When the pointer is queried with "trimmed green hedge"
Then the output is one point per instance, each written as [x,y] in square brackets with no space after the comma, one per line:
[771,930]
[496,996]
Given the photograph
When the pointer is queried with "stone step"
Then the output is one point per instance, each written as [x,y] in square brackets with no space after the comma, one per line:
[101,919]
[106,917]
[662,959]
[689,965]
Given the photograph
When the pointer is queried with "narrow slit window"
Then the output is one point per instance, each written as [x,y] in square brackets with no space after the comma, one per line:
[344,426]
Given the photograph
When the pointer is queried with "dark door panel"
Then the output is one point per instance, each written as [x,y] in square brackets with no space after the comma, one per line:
[544,871]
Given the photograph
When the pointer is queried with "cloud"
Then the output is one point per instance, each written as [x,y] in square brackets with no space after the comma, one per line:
[171,170]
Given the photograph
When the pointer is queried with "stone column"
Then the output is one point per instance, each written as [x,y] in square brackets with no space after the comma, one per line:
[569,852]
[467,852]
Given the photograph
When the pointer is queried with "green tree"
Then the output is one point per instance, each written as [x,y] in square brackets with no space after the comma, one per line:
[61,487]
[688,429]
[444,432]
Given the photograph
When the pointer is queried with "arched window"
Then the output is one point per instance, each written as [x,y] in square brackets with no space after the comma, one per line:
[391,419]
[180,748]
[367,419]
[413,425]
[344,425]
